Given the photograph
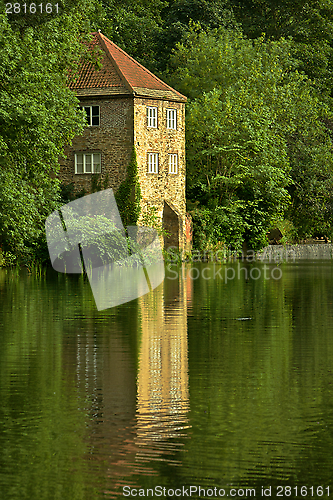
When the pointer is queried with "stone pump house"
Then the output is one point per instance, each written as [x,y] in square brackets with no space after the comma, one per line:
[128,106]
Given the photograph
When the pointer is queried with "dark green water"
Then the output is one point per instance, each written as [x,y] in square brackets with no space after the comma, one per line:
[171,390]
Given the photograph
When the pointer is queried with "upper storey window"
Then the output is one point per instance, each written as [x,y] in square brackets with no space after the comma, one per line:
[92,113]
[171,116]
[151,117]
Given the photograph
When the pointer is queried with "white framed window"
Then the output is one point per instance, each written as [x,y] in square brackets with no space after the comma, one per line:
[173,164]
[151,117]
[152,163]
[92,113]
[87,163]
[171,118]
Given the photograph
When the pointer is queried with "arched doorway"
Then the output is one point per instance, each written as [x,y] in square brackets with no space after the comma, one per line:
[171,225]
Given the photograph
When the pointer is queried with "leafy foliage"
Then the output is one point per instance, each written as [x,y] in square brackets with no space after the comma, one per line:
[253,124]
[310,24]
[128,195]
[24,206]
[149,31]
[39,115]
[134,26]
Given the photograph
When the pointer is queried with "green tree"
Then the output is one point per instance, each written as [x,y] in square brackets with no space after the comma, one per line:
[38,116]
[134,26]
[310,24]
[179,15]
[251,112]
[150,30]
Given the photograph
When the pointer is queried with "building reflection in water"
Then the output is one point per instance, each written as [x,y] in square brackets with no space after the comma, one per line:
[137,408]
[162,380]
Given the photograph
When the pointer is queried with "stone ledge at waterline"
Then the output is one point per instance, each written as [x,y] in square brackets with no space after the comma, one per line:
[290,253]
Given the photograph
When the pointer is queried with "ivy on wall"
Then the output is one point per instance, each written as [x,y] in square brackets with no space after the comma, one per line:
[97,184]
[128,195]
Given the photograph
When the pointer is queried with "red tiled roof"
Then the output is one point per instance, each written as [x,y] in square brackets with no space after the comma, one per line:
[120,73]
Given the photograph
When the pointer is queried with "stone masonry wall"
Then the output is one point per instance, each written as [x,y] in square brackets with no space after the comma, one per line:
[163,186]
[113,138]
[123,120]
